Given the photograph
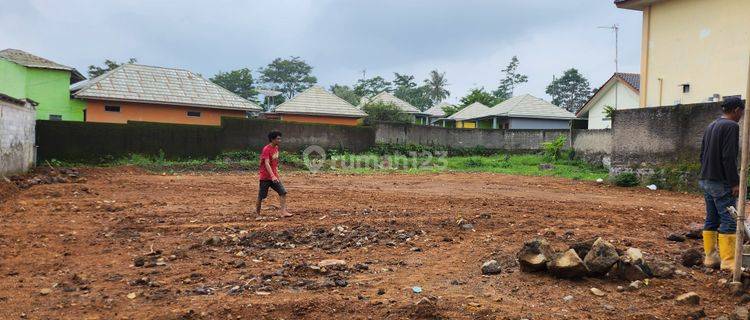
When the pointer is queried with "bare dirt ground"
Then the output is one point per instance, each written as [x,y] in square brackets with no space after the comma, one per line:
[127,244]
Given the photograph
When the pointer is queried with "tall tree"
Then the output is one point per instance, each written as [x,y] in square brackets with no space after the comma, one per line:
[346,93]
[571,91]
[479,95]
[509,82]
[436,82]
[372,86]
[238,81]
[402,80]
[407,90]
[95,71]
[289,76]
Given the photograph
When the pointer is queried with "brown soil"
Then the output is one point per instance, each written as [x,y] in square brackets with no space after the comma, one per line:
[70,250]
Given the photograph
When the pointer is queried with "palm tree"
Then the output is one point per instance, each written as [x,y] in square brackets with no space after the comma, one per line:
[436,84]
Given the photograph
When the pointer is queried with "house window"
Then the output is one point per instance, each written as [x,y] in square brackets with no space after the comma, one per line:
[196,114]
[685,88]
[112,108]
[55,117]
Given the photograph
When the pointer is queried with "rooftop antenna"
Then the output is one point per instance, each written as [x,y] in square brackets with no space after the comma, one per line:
[616,29]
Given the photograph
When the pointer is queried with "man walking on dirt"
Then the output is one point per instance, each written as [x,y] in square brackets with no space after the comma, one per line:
[720,182]
[269,173]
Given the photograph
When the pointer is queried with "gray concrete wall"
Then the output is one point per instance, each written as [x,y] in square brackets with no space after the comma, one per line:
[17,125]
[663,135]
[511,140]
[528,123]
[593,146]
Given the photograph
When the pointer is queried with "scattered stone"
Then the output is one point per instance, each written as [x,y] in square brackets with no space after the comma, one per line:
[635,285]
[235,290]
[745,298]
[676,237]
[534,255]
[239,264]
[341,282]
[45,291]
[680,272]
[425,308]
[696,315]
[332,264]
[598,292]
[609,307]
[601,257]
[692,257]
[212,241]
[132,295]
[546,166]
[620,288]
[381,291]
[690,298]
[568,298]
[740,313]
[491,267]
[582,248]
[567,265]
[467,226]
[695,231]
[660,269]
[202,291]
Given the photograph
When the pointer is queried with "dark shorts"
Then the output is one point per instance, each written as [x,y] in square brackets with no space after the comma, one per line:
[276,186]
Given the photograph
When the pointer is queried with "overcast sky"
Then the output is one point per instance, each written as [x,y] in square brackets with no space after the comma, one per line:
[470,40]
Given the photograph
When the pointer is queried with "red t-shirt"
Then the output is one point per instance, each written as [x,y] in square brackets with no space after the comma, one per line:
[272,153]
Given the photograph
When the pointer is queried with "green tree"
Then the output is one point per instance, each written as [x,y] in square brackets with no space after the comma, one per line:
[109,65]
[238,81]
[387,112]
[571,91]
[436,83]
[450,110]
[372,86]
[346,93]
[407,90]
[403,80]
[479,95]
[289,76]
[508,84]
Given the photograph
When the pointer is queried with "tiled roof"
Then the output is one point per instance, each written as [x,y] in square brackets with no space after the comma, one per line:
[633,79]
[472,111]
[386,97]
[437,110]
[318,101]
[29,60]
[528,106]
[139,83]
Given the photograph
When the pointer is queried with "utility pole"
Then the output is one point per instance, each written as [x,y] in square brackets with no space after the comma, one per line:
[616,29]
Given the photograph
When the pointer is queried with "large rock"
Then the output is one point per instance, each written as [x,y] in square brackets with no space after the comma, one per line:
[582,248]
[491,267]
[601,257]
[690,298]
[534,255]
[695,231]
[740,313]
[567,265]
[692,257]
[629,266]
[659,269]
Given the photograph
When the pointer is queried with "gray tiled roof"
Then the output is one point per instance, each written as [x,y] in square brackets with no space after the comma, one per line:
[472,111]
[318,101]
[528,106]
[386,97]
[29,60]
[437,110]
[633,79]
[139,83]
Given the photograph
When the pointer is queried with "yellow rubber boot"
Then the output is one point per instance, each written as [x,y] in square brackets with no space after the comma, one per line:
[727,243]
[710,243]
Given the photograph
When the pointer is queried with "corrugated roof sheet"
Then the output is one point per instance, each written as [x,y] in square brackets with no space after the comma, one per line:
[472,111]
[437,110]
[139,83]
[528,106]
[32,61]
[386,97]
[318,101]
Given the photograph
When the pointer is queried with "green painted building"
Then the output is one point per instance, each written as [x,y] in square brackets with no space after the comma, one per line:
[26,76]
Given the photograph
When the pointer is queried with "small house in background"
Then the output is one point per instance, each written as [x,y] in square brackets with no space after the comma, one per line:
[134,92]
[27,76]
[525,112]
[316,105]
[466,118]
[436,112]
[418,116]
[621,91]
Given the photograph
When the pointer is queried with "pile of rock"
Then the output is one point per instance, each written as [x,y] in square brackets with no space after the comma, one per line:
[600,258]
[42,175]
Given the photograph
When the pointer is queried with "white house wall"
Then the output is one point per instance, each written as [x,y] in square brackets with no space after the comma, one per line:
[619,96]
[17,138]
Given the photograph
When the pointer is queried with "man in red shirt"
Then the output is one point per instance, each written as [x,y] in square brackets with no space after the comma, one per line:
[269,173]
